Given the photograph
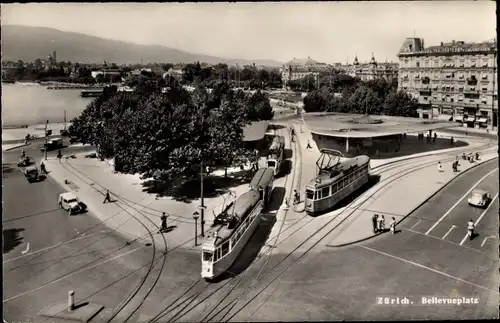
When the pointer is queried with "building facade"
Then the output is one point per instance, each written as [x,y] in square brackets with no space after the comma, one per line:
[372,70]
[297,69]
[454,81]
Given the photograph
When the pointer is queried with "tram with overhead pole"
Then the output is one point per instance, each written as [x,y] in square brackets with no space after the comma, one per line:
[275,155]
[336,178]
[234,226]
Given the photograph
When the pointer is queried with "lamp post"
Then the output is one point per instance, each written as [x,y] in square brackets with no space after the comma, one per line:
[195,217]
[46,138]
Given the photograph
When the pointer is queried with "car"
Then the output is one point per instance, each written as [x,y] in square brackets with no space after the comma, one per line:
[479,198]
[68,201]
[31,174]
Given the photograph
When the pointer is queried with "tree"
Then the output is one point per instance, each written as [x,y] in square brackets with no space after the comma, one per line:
[259,107]
[364,101]
[399,103]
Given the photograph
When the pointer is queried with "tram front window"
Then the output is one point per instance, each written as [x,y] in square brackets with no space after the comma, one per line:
[309,194]
[207,256]
[271,163]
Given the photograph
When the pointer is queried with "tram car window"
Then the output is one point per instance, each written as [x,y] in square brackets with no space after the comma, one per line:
[335,182]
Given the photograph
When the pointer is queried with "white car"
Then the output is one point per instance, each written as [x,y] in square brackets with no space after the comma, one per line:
[479,198]
[69,201]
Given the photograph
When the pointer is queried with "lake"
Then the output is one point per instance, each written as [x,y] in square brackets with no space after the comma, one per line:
[30,104]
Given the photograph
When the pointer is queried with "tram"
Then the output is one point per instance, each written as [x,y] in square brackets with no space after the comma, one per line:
[276,152]
[334,183]
[234,226]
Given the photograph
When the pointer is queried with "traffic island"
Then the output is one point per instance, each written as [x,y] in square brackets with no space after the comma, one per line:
[83,312]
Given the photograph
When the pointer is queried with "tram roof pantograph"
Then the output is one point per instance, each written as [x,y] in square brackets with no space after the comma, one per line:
[342,168]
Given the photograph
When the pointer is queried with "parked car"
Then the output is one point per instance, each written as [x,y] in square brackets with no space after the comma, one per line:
[479,198]
[24,161]
[31,174]
[68,201]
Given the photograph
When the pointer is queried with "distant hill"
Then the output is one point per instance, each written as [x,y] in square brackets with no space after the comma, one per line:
[29,43]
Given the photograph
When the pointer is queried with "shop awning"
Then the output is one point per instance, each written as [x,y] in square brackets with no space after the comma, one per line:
[459,118]
[482,120]
[470,119]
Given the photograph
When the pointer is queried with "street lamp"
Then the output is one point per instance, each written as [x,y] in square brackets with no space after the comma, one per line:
[195,217]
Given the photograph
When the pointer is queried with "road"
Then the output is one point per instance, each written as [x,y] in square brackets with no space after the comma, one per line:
[347,283]
[56,245]
[328,284]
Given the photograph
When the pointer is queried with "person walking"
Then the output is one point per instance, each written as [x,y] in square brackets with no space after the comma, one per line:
[107,198]
[434,138]
[296,197]
[440,167]
[470,229]
[374,222]
[392,225]
[379,223]
[163,222]
[383,223]
[308,145]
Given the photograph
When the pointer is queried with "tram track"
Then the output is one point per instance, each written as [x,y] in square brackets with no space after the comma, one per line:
[185,310]
[232,304]
[383,169]
[233,284]
[142,282]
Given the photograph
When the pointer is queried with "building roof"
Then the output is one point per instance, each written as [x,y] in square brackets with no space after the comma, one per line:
[303,61]
[360,126]
[255,131]
[416,46]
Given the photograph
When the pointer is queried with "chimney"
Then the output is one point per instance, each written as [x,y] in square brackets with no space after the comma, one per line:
[441,44]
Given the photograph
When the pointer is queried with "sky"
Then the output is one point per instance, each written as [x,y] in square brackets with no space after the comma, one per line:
[325,31]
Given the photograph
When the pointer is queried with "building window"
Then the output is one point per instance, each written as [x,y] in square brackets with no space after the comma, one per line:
[418,64]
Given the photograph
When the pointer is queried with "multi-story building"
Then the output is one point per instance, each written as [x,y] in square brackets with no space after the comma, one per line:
[372,70]
[297,69]
[454,81]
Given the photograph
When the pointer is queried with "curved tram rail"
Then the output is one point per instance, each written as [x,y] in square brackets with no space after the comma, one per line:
[190,299]
[152,263]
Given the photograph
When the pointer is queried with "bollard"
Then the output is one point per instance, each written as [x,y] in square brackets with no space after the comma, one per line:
[71,300]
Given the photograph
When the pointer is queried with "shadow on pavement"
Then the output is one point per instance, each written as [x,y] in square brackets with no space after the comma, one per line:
[213,186]
[286,167]
[372,181]
[258,239]
[276,126]
[11,239]
[31,215]
[251,249]
[388,148]
[7,168]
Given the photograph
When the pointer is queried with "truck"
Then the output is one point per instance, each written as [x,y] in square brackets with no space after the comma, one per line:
[53,144]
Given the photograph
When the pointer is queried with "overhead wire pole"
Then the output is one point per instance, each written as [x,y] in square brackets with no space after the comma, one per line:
[46,138]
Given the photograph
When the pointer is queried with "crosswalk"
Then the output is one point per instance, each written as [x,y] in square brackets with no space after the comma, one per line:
[454,229]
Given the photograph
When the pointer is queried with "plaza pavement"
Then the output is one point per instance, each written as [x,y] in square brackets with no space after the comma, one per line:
[89,178]
[389,197]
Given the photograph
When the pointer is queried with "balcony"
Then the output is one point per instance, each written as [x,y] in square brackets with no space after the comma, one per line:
[425,91]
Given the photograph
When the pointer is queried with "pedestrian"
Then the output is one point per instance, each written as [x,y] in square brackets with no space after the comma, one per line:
[163,222]
[379,222]
[23,153]
[451,141]
[296,197]
[435,137]
[107,198]
[383,223]
[374,222]
[470,229]
[440,167]
[392,225]
[308,145]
